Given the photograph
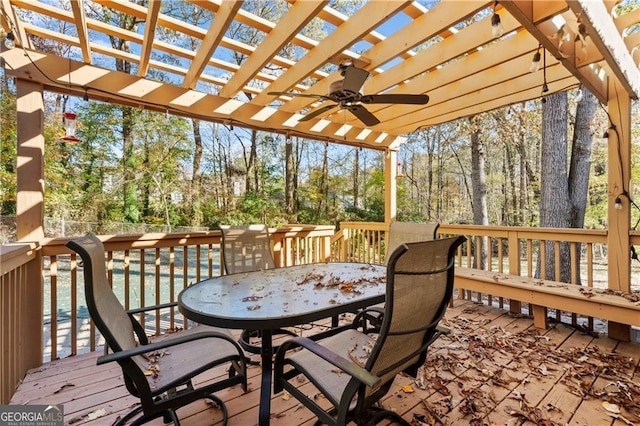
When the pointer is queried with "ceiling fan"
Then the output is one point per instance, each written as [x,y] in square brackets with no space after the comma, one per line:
[347,93]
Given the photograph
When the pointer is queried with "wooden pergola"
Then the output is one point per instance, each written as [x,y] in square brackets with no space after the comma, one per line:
[448,52]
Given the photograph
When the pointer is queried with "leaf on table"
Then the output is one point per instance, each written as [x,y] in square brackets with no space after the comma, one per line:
[251,298]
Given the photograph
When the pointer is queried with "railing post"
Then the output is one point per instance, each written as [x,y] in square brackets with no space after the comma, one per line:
[515,306]
[33,305]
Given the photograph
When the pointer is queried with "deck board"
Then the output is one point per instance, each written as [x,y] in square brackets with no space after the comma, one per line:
[483,370]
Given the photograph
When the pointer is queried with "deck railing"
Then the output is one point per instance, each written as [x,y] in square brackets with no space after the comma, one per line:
[171,263]
[509,250]
[512,250]
[149,269]
[20,314]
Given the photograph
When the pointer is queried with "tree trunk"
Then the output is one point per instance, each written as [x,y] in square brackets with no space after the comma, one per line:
[196,179]
[288,178]
[581,158]
[356,176]
[130,207]
[323,204]
[430,149]
[580,167]
[479,185]
[554,202]
[524,191]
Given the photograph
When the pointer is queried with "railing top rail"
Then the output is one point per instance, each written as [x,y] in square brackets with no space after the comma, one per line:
[54,246]
[374,226]
[302,230]
[14,255]
[552,234]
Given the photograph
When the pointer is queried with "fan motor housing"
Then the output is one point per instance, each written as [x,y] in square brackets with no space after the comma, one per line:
[335,89]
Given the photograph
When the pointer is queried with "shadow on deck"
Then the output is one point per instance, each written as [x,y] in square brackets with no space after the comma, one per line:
[494,368]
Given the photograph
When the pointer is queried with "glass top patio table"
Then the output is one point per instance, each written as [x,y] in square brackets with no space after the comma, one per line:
[275,298]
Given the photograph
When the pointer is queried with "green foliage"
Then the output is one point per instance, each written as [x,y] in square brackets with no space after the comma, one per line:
[94,181]
[7,146]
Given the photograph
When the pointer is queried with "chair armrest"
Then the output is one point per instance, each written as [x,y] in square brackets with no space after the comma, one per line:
[373,313]
[151,308]
[349,367]
[137,328]
[167,343]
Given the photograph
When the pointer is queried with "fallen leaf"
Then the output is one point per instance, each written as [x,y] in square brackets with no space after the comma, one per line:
[96,414]
[408,389]
[65,386]
[612,408]
[543,370]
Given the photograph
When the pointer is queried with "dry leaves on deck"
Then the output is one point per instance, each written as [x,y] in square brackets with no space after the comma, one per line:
[468,368]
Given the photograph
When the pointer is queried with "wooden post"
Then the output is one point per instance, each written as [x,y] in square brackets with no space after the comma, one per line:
[30,164]
[619,221]
[30,210]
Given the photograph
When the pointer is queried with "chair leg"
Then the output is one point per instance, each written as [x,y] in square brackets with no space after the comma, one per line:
[171,417]
[378,414]
[123,420]
[222,406]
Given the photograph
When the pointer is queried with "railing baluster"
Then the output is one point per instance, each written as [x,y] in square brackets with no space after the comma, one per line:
[53,272]
[74,314]
[142,287]
[157,289]
[172,287]
[127,280]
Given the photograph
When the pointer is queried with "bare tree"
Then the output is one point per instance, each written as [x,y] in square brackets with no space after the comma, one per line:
[479,185]
[554,201]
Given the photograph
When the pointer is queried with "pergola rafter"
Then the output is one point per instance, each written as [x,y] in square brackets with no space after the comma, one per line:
[447,52]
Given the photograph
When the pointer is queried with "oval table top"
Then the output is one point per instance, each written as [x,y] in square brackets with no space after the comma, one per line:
[284,297]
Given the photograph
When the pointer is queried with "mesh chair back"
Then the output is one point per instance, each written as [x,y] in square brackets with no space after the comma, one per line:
[419,287]
[246,248]
[105,309]
[408,232]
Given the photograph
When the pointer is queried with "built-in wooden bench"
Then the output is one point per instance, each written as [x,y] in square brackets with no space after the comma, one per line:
[543,294]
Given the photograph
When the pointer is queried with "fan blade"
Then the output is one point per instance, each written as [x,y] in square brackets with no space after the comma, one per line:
[303,95]
[364,115]
[395,99]
[354,78]
[317,112]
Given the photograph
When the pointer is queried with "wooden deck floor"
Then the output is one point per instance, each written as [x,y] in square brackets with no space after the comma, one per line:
[493,369]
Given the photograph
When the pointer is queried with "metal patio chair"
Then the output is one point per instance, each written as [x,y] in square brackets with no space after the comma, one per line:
[159,373]
[354,370]
[399,232]
[247,248]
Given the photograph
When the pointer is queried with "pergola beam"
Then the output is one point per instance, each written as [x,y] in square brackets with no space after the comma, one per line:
[211,41]
[150,24]
[296,18]
[533,16]
[81,26]
[604,34]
